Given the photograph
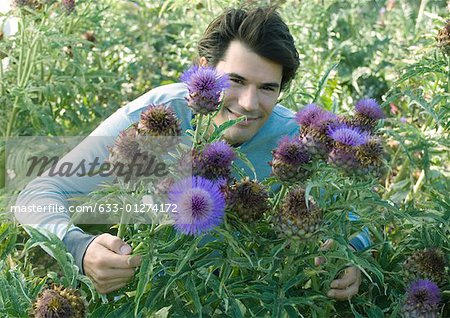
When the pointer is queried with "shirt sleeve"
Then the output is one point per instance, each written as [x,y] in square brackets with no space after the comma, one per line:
[361,240]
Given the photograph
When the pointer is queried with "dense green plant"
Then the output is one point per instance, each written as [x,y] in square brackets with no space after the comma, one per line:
[57,79]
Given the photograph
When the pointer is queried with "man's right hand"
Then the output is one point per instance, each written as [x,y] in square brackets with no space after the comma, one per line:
[107,262]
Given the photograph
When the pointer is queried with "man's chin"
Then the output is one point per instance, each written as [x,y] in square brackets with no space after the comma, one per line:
[236,136]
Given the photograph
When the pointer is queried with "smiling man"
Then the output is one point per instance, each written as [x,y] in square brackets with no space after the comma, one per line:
[255,48]
[255,86]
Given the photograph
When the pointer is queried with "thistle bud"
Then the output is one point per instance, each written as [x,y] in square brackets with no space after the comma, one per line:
[289,160]
[295,219]
[422,300]
[158,121]
[368,112]
[59,302]
[68,6]
[214,161]
[249,199]
[429,263]
[443,38]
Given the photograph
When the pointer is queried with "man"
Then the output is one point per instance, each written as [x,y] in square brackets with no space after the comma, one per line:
[257,51]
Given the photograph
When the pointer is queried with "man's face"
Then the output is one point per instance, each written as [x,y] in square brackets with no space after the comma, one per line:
[255,86]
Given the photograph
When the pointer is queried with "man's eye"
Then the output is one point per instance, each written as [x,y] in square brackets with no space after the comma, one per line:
[268,88]
[237,81]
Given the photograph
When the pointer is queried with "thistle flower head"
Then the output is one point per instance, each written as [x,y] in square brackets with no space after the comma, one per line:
[289,159]
[291,151]
[344,159]
[214,162]
[126,146]
[369,108]
[218,153]
[159,120]
[249,199]
[200,205]
[429,263]
[68,6]
[443,37]
[348,136]
[312,116]
[423,292]
[59,302]
[298,220]
[52,304]
[371,153]
[205,86]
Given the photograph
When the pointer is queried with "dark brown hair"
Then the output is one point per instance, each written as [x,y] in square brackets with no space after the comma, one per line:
[261,29]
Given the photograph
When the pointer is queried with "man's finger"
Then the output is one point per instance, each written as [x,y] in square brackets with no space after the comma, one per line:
[114,244]
[112,260]
[134,260]
[319,260]
[350,276]
[111,274]
[327,245]
[111,287]
[343,294]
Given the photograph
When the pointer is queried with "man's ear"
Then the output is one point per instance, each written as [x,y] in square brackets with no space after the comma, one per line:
[203,61]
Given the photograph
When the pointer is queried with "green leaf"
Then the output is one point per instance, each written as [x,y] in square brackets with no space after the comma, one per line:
[323,82]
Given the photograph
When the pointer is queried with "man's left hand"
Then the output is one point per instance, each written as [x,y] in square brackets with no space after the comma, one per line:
[347,286]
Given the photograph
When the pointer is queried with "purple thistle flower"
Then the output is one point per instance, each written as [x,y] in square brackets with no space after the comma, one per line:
[200,205]
[289,159]
[125,146]
[344,159]
[291,151]
[423,292]
[369,108]
[68,5]
[348,136]
[214,162]
[218,153]
[205,86]
[159,120]
[309,114]
[315,118]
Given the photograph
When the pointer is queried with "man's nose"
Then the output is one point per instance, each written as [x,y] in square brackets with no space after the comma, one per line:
[249,98]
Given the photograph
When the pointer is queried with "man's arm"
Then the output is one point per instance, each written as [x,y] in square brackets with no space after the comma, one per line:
[57,190]
[348,284]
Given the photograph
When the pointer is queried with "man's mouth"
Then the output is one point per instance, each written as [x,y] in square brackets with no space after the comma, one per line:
[247,121]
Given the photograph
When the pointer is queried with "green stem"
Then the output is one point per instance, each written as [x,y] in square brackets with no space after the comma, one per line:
[416,187]
[122,228]
[448,73]
[423,4]
[24,72]
[1,79]
[295,249]
[198,125]
[279,196]
[207,127]
[22,48]
[12,119]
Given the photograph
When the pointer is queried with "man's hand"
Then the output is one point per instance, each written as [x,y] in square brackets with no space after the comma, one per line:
[108,263]
[348,285]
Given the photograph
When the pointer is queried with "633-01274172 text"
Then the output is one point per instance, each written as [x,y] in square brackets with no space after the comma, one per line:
[128,207]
